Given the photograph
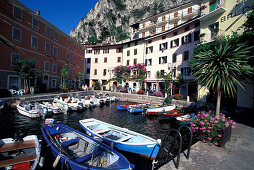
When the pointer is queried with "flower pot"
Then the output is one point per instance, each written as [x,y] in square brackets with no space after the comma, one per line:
[226,135]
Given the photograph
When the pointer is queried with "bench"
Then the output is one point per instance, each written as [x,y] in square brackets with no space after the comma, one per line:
[102,131]
[88,156]
[124,138]
[17,160]
[69,142]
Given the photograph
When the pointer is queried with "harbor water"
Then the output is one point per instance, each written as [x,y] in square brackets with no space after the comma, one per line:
[11,121]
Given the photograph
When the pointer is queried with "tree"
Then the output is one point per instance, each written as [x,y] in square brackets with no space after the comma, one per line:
[65,72]
[27,70]
[180,80]
[79,77]
[222,65]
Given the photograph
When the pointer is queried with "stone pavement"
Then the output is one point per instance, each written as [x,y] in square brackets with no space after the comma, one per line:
[238,153]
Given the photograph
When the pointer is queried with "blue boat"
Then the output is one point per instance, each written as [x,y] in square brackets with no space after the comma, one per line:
[141,108]
[76,150]
[2,104]
[122,138]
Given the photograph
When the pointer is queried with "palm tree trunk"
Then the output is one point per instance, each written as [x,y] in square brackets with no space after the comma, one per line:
[218,103]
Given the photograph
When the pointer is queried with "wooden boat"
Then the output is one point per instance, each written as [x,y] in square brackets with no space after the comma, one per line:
[126,105]
[174,112]
[33,110]
[141,108]
[20,153]
[160,109]
[76,150]
[171,114]
[185,119]
[122,138]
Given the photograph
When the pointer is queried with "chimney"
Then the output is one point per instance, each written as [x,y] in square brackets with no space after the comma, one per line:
[37,12]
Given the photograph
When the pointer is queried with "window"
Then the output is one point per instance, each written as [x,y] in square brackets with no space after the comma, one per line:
[55,51]
[175,24]
[174,43]
[34,61]
[163,37]
[119,59]
[88,71]
[196,35]
[119,50]
[67,56]
[174,58]
[47,47]
[148,74]
[186,71]
[56,36]
[186,55]
[14,59]
[189,10]
[89,51]
[149,62]
[135,61]
[106,50]
[175,14]
[48,30]
[173,72]
[187,28]
[135,51]
[74,47]
[163,28]
[105,59]
[128,53]
[35,23]
[163,46]
[68,43]
[97,51]
[53,83]
[34,42]
[54,68]
[129,44]
[162,72]
[143,34]
[73,72]
[128,62]
[163,60]
[74,58]
[17,13]
[214,29]
[136,43]
[149,41]
[186,39]
[196,24]
[163,18]
[82,62]
[46,66]
[88,61]
[95,71]
[82,51]
[96,60]
[104,72]
[149,50]
[175,33]
[16,34]
[144,25]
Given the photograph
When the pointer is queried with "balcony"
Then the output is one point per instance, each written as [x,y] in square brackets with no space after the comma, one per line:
[175,18]
[148,26]
[214,9]
[162,21]
[190,13]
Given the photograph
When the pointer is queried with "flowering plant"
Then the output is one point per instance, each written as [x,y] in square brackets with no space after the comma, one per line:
[140,91]
[178,96]
[158,94]
[211,126]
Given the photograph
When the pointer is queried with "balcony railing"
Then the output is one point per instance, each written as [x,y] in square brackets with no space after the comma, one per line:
[189,13]
[214,9]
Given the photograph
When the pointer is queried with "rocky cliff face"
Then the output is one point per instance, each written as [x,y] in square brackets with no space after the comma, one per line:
[112,18]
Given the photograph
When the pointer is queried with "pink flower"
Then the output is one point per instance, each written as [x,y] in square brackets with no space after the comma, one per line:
[219,135]
[208,131]
[209,127]
[209,138]
[215,143]
[233,126]
[202,123]
[203,140]
[227,124]
[196,128]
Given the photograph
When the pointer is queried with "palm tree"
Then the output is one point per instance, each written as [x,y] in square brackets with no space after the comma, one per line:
[79,77]
[65,72]
[222,65]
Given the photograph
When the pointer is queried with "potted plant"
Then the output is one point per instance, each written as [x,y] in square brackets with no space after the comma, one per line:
[215,130]
[140,91]
[158,94]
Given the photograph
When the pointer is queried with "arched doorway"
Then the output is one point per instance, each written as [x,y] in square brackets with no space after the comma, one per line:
[135,87]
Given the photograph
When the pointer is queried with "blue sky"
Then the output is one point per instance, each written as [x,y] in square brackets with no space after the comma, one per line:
[64,14]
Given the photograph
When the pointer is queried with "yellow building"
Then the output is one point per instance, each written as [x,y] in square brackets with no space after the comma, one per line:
[223,17]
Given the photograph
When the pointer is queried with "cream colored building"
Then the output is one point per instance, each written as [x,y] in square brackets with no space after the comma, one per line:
[223,17]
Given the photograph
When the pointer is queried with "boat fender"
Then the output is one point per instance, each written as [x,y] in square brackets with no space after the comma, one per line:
[56,160]
[65,165]
[88,133]
[159,141]
[41,162]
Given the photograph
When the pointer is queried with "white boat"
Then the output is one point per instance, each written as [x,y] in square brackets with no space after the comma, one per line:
[161,109]
[32,110]
[68,103]
[55,109]
[20,153]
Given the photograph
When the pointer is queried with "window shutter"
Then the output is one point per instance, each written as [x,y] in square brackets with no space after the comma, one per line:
[166,59]
[166,45]
[177,42]
[146,62]
[182,40]
[171,44]
[189,37]
[151,49]
[160,60]
[146,50]
[160,47]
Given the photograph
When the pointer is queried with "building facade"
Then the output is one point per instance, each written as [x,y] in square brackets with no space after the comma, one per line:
[26,35]
[223,17]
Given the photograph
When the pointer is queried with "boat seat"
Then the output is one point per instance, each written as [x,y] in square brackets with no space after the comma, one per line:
[102,131]
[92,124]
[17,160]
[124,139]
[14,146]
[88,156]
[69,142]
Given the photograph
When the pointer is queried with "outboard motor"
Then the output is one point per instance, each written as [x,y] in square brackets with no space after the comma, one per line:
[18,136]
